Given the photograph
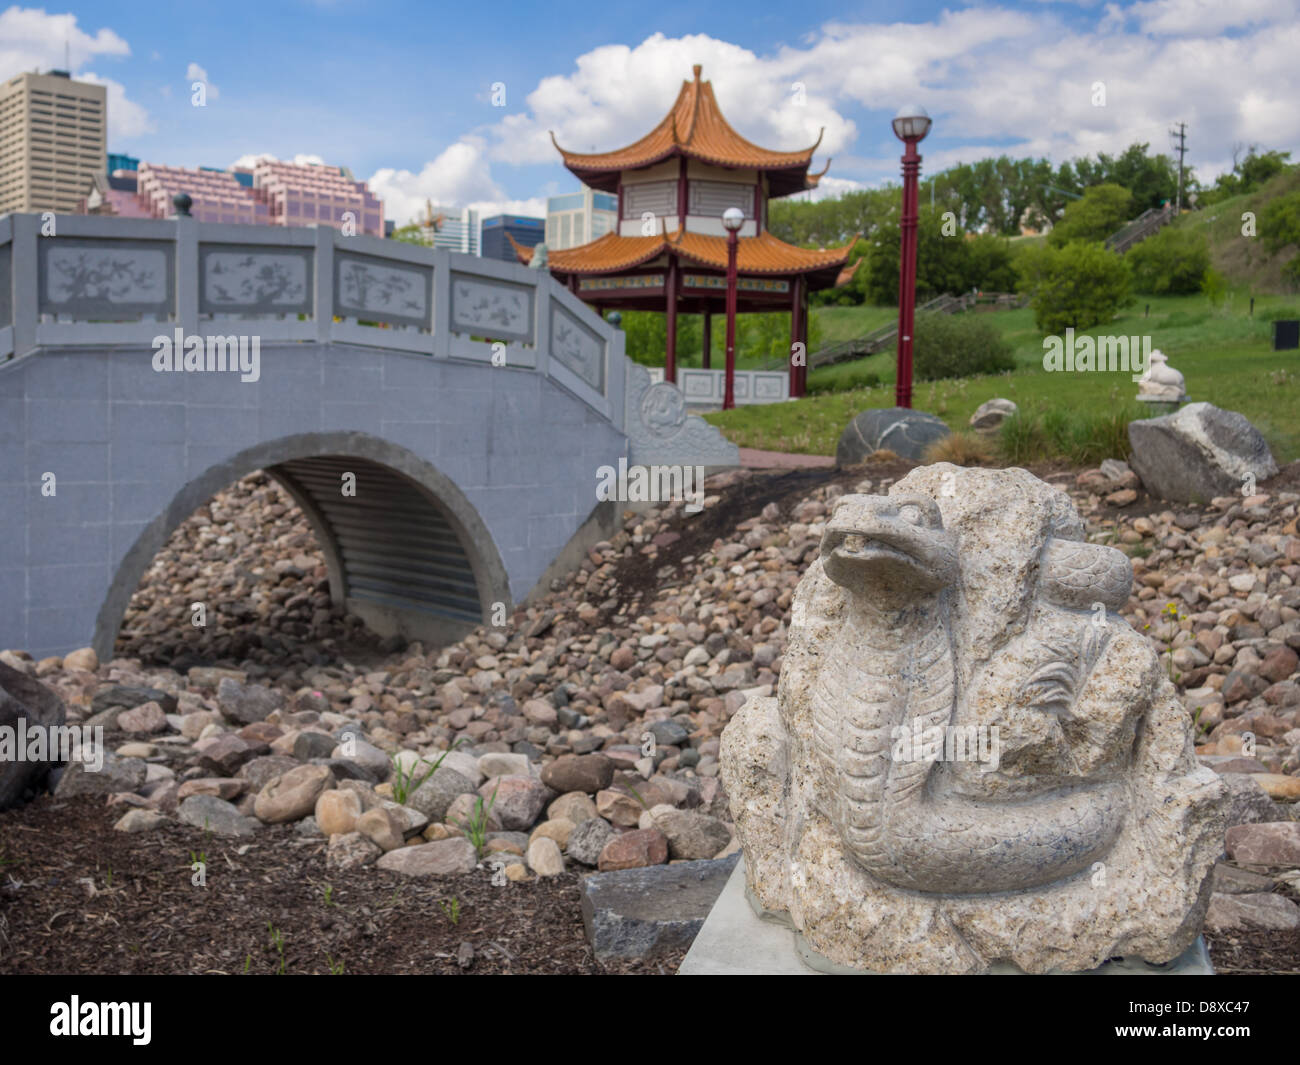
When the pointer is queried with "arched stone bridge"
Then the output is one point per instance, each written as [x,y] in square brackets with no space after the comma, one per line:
[439,418]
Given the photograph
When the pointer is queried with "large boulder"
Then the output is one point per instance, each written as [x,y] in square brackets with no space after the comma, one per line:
[907,433]
[24,699]
[637,913]
[1198,453]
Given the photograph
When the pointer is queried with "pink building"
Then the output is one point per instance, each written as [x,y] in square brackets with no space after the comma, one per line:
[275,194]
[218,196]
[317,195]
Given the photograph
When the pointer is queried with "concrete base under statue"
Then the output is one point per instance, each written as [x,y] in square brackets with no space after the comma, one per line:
[737,941]
[1159,405]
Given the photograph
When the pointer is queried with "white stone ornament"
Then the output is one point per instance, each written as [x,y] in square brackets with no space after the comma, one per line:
[1161,382]
[970,619]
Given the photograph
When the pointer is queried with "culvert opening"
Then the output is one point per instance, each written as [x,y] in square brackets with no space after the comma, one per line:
[243,578]
[301,563]
[395,549]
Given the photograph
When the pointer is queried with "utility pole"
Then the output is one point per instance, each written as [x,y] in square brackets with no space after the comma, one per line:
[1181,134]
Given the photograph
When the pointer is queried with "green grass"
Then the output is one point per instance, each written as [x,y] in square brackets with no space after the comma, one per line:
[1224,355]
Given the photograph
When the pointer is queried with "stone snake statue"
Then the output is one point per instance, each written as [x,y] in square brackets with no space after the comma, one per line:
[901,675]
[967,603]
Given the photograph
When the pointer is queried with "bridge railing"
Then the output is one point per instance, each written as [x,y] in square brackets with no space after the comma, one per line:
[78,280]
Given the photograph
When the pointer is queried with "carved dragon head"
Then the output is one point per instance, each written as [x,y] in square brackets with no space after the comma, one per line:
[889,546]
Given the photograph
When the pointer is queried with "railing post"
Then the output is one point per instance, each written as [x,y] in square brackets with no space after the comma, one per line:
[542,324]
[25,269]
[187,275]
[324,270]
[441,303]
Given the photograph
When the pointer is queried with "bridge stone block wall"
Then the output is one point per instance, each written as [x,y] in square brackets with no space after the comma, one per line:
[470,476]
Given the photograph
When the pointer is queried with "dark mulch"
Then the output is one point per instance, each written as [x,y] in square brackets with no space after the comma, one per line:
[1249,953]
[145,915]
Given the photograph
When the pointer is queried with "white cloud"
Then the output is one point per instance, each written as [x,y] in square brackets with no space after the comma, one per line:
[250,160]
[1203,17]
[996,81]
[460,175]
[194,73]
[31,39]
[36,40]
[126,118]
[618,93]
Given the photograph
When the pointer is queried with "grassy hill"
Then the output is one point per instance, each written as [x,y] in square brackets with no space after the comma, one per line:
[1243,261]
[1223,352]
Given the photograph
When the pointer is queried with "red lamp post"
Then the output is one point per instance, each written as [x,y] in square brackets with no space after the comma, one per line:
[910,126]
[732,219]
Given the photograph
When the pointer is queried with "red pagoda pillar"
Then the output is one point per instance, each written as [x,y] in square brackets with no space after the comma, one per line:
[670,346]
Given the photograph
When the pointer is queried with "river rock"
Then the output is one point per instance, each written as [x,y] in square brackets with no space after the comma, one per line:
[633,850]
[385,829]
[350,850]
[116,775]
[518,800]
[1275,843]
[691,836]
[143,719]
[436,794]
[337,811]
[216,815]
[587,773]
[246,703]
[544,857]
[588,839]
[1252,913]
[292,796]
[447,857]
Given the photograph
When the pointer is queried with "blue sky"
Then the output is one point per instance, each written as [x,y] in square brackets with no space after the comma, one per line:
[400,92]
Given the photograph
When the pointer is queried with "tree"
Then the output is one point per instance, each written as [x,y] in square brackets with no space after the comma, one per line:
[947,260]
[1248,173]
[1173,262]
[1079,285]
[1102,210]
[410,234]
[1279,226]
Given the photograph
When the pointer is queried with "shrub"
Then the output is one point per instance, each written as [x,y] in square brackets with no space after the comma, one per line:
[1061,432]
[848,381]
[957,345]
[961,449]
[1173,262]
[1102,210]
[1079,285]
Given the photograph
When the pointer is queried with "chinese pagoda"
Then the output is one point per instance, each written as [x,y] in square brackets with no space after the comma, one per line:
[669,250]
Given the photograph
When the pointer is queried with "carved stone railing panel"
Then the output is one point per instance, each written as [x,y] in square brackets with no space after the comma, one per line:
[500,310]
[382,290]
[236,279]
[660,431]
[577,348]
[102,279]
[707,388]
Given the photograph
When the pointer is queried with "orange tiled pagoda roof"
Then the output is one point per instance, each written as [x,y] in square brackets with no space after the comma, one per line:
[763,254]
[695,128]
